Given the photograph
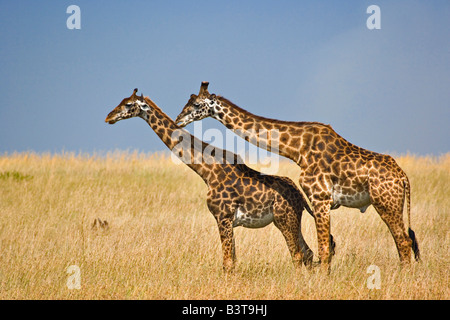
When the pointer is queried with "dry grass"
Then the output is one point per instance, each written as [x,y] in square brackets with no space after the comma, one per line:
[163,243]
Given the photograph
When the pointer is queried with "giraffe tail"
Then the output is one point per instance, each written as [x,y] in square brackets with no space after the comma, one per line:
[411,233]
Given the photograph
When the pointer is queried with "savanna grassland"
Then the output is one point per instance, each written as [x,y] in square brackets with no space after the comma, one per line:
[162,242]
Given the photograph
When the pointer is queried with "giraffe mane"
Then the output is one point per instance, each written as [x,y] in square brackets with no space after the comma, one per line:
[260,118]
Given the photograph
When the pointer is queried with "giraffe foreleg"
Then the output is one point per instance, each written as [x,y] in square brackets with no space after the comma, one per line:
[227,238]
[325,242]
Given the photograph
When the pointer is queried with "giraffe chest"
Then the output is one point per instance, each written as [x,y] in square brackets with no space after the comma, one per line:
[254,218]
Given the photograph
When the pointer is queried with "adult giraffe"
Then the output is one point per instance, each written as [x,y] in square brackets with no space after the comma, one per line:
[237,195]
[334,172]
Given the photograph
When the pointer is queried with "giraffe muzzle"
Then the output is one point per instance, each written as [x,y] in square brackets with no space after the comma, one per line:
[182,121]
[110,120]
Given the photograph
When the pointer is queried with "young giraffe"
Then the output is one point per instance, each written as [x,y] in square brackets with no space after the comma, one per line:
[237,195]
[334,172]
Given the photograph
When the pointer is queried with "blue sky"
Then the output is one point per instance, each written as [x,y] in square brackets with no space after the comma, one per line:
[385,90]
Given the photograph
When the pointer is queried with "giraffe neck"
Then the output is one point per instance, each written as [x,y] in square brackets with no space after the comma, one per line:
[272,135]
[160,123]
[170,134]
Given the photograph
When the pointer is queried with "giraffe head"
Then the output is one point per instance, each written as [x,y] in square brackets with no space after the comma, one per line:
[198,107]
[133,106]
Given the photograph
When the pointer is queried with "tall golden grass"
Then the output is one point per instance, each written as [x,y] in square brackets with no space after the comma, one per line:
[162,242]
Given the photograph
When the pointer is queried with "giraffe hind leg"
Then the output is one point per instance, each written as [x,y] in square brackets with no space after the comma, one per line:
[289,223]
[392,215]
[397,228]
[387,197]
[308,254]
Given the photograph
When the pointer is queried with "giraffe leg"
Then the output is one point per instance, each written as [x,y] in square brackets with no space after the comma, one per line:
[387,198]
[394,221]
[308,254]
[233,252]
[287,221]
[322,218]
[227,239]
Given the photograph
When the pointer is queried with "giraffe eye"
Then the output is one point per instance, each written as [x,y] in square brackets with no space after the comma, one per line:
[128,104]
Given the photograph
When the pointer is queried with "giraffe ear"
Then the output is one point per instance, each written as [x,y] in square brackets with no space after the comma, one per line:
[203,89]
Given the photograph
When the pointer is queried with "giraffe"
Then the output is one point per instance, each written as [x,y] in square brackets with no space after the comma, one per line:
[237,195]
[334,172]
